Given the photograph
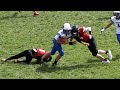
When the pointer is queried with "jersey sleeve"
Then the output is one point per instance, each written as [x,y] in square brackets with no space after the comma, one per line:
[112,18]
[61,34]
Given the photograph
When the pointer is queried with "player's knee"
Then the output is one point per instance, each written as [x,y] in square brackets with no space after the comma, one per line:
[94,54]
[52,53]
[119,41]
[62,54]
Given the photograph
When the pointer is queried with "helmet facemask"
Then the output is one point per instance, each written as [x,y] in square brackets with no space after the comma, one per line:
[74,31]
[67,31]
[117,14]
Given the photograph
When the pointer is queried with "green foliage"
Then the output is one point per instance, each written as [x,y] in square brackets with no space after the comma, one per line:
[20,31]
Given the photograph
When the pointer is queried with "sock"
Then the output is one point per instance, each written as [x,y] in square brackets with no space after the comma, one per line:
[55,62]
[105,59]
[106,51]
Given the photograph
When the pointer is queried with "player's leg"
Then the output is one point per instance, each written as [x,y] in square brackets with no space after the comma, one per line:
[16,56]
[61,53]
[29,56]
[108,52]
[38,59]
[52,52]
[94,51]
[118,37]
[28,59]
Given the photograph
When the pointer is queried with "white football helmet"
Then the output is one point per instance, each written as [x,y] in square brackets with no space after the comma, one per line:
[116,13]
[67,26]
[88,29]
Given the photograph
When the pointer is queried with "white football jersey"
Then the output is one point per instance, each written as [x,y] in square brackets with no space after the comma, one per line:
[116,23]
[63,34]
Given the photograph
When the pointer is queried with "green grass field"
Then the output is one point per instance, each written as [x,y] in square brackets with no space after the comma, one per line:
[23,31]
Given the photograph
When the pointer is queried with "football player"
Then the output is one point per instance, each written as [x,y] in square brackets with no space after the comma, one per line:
[36,53]
[64,33]
[80,33]
[36,13]
[115,19]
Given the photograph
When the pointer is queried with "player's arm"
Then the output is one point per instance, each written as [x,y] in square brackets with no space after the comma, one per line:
[61,42]
[109,24]
[72,41]
[88,29]
[62,39]
[79,40]
[84,43]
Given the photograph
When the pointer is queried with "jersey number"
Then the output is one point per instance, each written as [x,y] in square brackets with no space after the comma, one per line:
[118,25]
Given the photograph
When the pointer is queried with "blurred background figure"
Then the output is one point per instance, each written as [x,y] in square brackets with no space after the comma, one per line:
[36,13]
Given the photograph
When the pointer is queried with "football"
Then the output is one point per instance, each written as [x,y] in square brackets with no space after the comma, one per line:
[63,40]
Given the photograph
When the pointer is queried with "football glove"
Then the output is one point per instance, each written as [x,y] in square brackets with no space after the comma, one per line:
[103,29]
[72,43]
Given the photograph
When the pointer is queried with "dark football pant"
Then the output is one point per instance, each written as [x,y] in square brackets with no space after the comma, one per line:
[26,53]
[93,46]
[29,56]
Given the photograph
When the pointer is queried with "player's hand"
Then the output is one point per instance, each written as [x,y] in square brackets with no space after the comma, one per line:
[74,42]
[87,44]
[102,30]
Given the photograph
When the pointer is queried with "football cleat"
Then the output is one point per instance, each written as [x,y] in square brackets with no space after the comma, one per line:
[4,60]
[16,61]
[105,61]
[109,55]
[54,64]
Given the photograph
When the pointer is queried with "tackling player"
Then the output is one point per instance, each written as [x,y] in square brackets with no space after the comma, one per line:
[81,35]
[36,53]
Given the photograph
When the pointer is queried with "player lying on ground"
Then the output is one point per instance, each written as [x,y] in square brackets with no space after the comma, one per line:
[35,13]
[36,53]
[81,35]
